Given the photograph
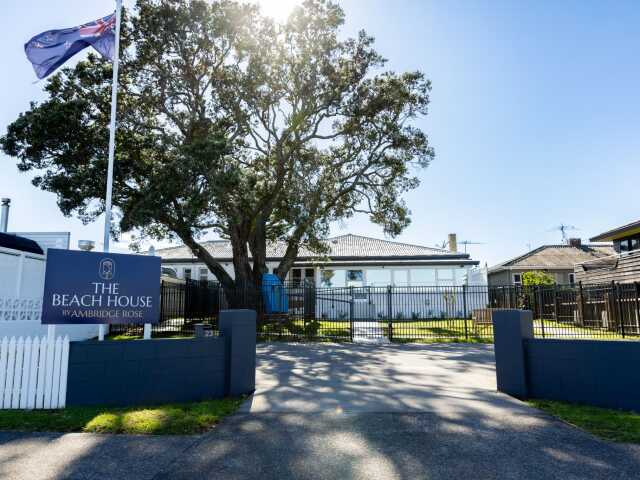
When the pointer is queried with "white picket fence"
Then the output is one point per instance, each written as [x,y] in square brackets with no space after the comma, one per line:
[33,372]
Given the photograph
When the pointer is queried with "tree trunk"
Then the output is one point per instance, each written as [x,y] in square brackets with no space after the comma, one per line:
[212,264]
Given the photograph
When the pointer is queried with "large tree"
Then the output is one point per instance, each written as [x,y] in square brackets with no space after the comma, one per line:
[232,124]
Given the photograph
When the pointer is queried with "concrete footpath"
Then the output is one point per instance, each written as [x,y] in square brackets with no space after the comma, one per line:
[325,411]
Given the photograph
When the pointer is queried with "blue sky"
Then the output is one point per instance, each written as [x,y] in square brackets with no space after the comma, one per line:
[535,115]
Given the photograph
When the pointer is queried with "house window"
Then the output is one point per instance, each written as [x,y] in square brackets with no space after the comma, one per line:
[461,275]
[203,274]
[296,275]
[355,278]
[300,275]
[378,277]
[623,245]
[627,244]
[187,273]
[572,278]
[401,278]
[425,277]
[309,275]
[517,279]
[332,278]
[445,277]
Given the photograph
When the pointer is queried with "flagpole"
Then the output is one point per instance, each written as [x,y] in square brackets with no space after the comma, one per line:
[112,142]
[112,129]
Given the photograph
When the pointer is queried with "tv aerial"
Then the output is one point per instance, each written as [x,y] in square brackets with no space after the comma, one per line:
[563,229]
[469,242]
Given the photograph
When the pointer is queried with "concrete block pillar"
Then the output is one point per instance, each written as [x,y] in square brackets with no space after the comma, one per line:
[239,329]
[510,328]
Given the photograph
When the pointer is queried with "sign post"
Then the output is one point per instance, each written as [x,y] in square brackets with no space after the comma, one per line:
[100,288]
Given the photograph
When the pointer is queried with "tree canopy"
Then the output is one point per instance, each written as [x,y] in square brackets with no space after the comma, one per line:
[537,277]
[232,124]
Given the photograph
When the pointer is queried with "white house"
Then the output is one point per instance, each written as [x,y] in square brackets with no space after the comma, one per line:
[352,260]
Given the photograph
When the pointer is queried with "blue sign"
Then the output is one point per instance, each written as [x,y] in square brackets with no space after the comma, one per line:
[89,288]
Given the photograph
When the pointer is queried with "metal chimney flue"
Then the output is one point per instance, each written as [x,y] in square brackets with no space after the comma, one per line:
[86,245]
[453,243]
[4,215]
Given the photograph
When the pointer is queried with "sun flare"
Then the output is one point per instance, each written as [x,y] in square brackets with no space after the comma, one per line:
[277,9]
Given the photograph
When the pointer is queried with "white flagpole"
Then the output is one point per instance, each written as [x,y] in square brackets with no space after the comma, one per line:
[112,142]
[112,129]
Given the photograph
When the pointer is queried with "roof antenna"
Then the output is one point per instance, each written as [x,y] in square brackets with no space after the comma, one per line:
[470,242]
[563,229]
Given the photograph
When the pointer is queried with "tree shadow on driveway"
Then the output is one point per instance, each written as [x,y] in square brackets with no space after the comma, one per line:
[324,411]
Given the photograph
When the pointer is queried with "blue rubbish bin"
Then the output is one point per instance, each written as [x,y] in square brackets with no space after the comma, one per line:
[274,294]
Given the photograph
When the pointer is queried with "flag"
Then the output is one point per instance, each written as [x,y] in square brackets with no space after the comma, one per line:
[48,50]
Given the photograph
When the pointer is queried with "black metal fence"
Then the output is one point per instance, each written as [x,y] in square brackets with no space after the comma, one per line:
[404,314]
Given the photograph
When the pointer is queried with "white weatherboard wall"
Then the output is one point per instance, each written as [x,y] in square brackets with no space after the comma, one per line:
[33,372]
[21,274]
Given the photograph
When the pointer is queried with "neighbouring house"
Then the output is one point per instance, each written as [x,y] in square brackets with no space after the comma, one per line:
[557,260]
[352,260]
[622,265]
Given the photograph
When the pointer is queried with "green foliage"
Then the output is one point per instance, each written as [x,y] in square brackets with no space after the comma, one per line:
[615,425]
[312,328]
[232,125]
[537,277]
[175,419]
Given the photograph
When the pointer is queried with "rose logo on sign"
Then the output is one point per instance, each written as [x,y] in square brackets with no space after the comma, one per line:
[107,269]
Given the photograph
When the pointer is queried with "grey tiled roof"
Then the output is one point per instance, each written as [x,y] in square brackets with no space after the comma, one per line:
[341,246]
[558,256]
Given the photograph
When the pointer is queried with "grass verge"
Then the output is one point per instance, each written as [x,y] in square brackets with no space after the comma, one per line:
[174,419]
[614,425]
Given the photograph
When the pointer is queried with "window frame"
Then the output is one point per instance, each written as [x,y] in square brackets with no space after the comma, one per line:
[205,277]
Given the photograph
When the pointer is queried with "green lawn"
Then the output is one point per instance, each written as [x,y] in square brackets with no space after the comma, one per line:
[421,331]
[614,425]
[175,419]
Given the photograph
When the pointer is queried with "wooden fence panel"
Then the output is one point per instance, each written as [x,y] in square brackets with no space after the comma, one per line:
[33,372]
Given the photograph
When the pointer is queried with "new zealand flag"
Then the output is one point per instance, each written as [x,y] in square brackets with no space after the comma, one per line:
[48,50]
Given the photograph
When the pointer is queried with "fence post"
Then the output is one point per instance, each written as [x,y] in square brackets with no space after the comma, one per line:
[390,312]
[581,313]
[555,302]
[351,313]
[619,313]
[464,308]
[637,306]
[541,308]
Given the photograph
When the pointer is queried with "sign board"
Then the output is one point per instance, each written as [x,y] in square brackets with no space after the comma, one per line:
[91,287]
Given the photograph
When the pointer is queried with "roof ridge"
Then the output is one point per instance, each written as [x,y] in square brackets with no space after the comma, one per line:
[387,241]
[530,253]
[206,242]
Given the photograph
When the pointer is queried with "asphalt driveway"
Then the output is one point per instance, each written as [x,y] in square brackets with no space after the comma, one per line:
[342,412]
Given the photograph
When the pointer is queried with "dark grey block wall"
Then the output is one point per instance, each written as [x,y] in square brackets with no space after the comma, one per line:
[147,372]
[593,372]
[239,327]
[510,359]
